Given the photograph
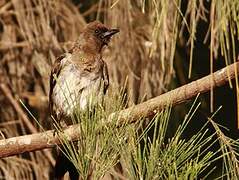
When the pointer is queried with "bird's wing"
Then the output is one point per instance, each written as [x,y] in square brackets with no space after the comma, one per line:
[57,66]
[105,77]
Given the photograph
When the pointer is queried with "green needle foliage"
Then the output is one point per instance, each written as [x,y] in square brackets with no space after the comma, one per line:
[229,149]
[159,158]
[145,152]
[98,148]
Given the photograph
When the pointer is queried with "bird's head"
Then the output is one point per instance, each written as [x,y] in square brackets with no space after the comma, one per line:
[96,35]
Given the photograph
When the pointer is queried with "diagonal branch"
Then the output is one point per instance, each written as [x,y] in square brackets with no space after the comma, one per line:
[38,141]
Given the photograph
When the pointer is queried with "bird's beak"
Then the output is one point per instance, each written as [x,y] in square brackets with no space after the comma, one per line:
[110,33]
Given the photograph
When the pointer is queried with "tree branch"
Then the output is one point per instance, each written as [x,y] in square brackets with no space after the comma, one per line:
[38,141]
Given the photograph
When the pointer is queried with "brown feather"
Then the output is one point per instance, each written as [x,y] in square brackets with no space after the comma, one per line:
[80,72]
[54,74]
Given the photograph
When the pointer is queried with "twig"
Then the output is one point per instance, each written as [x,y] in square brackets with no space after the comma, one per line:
[5,7]
[11,45]
[181,94]
[33,142]
[232,156]
[92,9]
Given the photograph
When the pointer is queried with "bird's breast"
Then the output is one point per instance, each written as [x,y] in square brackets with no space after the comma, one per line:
[76,88]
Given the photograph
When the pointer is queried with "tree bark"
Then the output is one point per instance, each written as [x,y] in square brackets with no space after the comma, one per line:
[38,141]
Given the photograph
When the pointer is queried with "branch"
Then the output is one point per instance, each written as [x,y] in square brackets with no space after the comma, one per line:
[181,94]
[38,141]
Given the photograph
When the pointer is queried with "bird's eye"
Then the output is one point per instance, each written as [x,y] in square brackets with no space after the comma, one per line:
[96,31]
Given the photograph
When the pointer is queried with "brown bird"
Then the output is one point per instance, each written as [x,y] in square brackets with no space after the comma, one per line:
[75,77]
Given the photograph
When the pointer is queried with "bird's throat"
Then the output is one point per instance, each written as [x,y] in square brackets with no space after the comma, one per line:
[84,57]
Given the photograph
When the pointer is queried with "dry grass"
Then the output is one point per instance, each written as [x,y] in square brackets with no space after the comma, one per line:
[33,32]
[147,42]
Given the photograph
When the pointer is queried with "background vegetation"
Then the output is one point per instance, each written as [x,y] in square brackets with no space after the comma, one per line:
[162,45]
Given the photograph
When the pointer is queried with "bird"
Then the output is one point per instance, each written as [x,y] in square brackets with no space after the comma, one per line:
[75,77]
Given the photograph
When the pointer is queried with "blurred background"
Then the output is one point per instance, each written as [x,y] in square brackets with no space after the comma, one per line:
[162,45]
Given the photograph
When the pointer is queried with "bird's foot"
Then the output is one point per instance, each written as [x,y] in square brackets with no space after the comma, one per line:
[58,131]
[55,132]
